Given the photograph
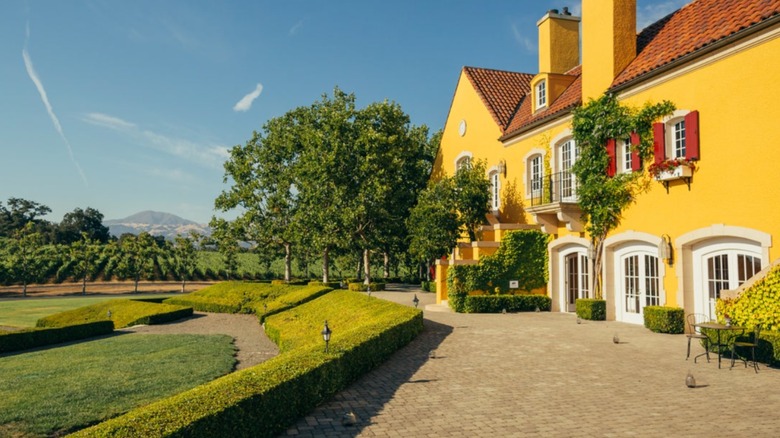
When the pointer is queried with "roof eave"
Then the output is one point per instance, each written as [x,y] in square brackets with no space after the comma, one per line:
[536,123]
[758,27]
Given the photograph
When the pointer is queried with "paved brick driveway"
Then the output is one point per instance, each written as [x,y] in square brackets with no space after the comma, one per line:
[541,374]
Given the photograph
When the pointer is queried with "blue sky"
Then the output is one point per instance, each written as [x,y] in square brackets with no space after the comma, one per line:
[126,106]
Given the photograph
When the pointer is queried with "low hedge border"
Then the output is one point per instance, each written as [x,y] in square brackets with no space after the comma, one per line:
[124,313]
[662,319]
[264,400]
[286,302]
[428,286]
[330,284]
[510,303]
[361,287]
[163,317]
[39,337]
[591,309]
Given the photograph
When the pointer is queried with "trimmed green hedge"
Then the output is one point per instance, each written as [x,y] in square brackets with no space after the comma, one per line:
[361,287]
[39,337]
[510,303]
[428,286]
[124,313]
[330,284]
[229,296]
[662,319]
[264,400]
[587,308]
[294,297]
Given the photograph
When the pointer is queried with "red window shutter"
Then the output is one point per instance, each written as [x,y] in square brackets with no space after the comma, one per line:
[636,160]
[692,136]
[612,166]
[659,142]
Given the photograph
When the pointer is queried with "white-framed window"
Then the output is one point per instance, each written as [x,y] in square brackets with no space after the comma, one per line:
[495,190]
[625,153]
[678,138]
[568,152]
[541,94]
[463,161]
[535,174]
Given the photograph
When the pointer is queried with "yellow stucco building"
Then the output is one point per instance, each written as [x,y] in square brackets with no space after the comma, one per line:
[693,233]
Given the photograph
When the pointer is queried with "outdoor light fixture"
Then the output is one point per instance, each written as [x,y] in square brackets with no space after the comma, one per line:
[690,381]
[369,290]
[109,313]
[616,339]
[502,167]
[326,335]
[416,301]
[591,251]
[665,251]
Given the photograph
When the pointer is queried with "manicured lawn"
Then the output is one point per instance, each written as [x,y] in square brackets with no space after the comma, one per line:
[61,389]
[24,312]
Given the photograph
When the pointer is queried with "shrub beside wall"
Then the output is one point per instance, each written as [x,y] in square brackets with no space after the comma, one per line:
[522,256]
[510,303]
[662,319]
[39,337]
[361,287]
[591,309]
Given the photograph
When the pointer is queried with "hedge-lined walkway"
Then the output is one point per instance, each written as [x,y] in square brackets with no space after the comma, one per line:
[541,374]
[251,342]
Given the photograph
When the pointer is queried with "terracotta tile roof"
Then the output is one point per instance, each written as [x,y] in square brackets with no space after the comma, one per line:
[570,98]
[501,91]
[691,28]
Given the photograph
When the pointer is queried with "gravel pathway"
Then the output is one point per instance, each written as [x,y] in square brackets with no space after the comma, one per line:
[251,342]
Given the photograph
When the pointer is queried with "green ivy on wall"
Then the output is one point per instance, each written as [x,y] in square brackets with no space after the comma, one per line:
[522,256]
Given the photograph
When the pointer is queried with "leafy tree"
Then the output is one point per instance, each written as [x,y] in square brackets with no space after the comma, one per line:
[85,253]
[434,226]
[136,256]
[224,235]
[89,221]
[25,255]
[472,196]
[19,213]
[185,257]
[602,198]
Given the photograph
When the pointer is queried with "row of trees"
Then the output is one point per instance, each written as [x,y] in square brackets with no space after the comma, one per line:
[330,179]
[19,213]
[25,258]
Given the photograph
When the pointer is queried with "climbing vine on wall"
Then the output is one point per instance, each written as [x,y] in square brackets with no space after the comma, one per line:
[603,198]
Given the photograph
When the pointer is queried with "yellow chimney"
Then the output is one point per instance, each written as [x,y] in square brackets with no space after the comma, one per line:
[608,43]
[559,41]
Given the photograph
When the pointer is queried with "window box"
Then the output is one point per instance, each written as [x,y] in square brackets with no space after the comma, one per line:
[674,173]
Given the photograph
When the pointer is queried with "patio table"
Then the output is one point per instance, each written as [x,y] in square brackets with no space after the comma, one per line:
[718,327]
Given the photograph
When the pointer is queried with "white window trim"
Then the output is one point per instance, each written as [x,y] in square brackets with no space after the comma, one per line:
[669,122]
[623,164]
[527,173]
[461,156]
[495,201]
[540,93]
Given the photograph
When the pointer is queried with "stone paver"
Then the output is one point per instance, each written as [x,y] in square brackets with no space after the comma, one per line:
[541,375]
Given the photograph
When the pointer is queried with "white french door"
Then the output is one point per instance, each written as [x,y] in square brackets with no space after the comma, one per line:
[576,278]
[639,283]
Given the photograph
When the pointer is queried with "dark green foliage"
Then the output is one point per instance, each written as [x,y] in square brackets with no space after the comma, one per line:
[428,286]
[510,303]
[522,256]
[38,337]
[594,310]
[661,319]
[263,400]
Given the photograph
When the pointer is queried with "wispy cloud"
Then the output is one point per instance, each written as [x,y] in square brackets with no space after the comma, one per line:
[649,14]
[294,30]
[205,155]
[527,43]
[28,64]
[245,103]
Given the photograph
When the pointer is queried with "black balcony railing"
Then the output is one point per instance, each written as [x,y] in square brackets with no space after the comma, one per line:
[558,187]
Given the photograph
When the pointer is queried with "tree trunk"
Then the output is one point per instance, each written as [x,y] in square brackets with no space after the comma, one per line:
[326,265]
[386,272]
[136,284]
[183,282]
[597,292]
[287,262]
[428,270]
[24,287]
[366,266]
[359,268]
[84,285]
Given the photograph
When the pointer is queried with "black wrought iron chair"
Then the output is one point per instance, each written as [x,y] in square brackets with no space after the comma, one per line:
[751,345]
[695,333]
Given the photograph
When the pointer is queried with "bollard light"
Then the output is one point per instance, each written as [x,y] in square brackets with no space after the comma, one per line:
[369,290]
[109,313]
[416,301]
[326,335]
[616,339]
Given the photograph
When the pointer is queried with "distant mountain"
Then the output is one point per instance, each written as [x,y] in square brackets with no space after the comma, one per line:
[155,223]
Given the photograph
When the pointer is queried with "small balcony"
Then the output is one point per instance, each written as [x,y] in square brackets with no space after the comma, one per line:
[553,202]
